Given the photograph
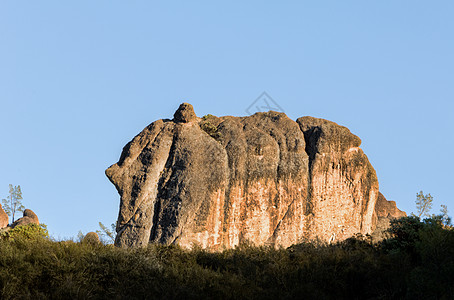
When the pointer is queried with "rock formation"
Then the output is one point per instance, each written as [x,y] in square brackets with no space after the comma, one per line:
[385,211]
[220,181]
[91,238]
[4,219]
[29,218]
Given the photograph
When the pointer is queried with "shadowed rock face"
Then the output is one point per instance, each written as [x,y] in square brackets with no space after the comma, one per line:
[220,181]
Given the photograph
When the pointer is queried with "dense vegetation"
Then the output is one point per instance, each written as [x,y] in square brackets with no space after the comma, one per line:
[416,262]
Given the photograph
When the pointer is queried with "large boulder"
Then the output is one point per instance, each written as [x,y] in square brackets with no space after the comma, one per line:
[29,218]
[4,219]
[219,181]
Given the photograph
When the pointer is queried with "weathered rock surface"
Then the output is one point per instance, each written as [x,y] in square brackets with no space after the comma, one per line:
[387,208]
[343,185]
[29,218]
[4,219]
[385,211]
[220,181]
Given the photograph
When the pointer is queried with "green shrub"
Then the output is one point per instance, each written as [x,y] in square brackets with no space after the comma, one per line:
[428,248]
[352,269]
[29,231]
[208,116]
[207,126]
[404,235]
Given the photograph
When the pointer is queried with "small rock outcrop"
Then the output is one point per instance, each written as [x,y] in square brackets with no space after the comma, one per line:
[91,238]
[265,179]
[185,113]
[387,208]
[29,218]
[385,211]
[4,219]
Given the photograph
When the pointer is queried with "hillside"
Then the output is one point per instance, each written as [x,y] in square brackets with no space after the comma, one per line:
[417,262]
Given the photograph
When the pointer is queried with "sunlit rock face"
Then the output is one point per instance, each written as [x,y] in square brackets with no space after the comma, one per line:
[4,219]
[343,185]
[385,211]
[264,179]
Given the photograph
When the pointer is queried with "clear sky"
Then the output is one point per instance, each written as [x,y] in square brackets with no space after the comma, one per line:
[79,79]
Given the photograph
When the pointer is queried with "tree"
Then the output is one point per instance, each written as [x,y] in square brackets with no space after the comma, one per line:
[445,219]
[13,203]
[106,232]
[423,204]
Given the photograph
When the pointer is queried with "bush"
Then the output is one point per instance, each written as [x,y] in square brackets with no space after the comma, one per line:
[428,245]
[29,231]
[207,126]
[416,263]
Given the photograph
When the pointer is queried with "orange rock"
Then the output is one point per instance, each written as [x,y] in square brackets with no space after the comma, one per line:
[388,209]
[384,212]
[262,179]
[91,238]
[4,220]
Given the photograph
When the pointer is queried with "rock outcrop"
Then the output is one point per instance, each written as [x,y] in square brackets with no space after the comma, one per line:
[4,219]
[91,238]
[385,211]
[219,181]
[29,218]
[387,208]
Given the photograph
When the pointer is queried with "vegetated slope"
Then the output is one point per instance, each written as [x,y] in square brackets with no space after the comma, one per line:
[416,263]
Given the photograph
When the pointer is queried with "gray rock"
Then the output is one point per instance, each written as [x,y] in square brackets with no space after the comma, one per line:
[185,113]
[29,218]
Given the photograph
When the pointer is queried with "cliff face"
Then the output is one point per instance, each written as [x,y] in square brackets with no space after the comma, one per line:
[217,182]
[343,184]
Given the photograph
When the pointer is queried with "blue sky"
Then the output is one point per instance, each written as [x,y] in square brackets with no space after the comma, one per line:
[80,79]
